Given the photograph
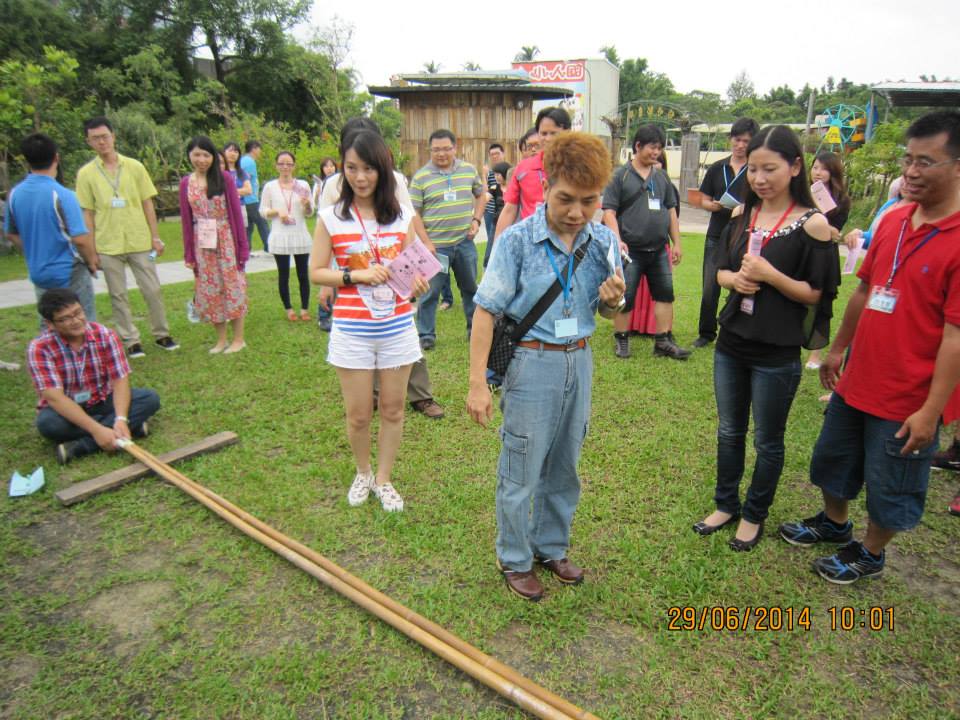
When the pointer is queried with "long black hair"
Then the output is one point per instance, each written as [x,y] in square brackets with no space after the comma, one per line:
[215,183]
[784,142]
[838,185]
[371,148]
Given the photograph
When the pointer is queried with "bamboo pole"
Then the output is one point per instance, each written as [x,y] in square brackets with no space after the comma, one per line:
[499,677]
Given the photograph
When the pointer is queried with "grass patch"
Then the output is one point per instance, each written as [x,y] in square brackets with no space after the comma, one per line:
[140,603]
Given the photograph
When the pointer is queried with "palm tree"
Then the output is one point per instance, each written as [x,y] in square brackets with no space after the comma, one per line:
[527,53]
[432,67]
[471,66]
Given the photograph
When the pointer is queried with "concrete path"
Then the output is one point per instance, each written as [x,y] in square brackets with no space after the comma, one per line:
[15,293]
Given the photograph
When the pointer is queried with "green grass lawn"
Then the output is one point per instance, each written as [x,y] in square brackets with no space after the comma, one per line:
[140,603]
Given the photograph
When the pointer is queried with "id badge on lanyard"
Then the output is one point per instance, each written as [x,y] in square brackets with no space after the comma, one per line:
[207,233]
[754,246]
[117,203]
[379,299]
[653,203]
[883,299]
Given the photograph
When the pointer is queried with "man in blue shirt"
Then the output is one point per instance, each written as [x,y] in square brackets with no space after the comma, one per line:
[251,202]
[44,220]
[547,386]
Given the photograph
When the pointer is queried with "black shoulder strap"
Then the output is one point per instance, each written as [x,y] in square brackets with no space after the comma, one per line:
[624,204]
[549,296]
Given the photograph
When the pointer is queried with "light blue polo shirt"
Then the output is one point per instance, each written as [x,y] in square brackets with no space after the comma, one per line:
[45,215]
[249,166]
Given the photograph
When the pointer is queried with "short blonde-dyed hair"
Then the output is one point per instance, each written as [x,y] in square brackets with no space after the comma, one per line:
[578,158]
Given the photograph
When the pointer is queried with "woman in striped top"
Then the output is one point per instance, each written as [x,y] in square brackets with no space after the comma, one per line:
[373,327]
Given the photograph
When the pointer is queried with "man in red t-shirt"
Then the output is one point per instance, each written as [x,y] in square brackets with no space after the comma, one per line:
[902,324]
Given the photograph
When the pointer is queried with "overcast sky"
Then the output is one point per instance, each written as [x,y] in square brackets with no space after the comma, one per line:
[700,45]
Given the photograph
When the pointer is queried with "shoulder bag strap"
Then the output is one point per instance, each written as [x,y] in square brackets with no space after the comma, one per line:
[548,297]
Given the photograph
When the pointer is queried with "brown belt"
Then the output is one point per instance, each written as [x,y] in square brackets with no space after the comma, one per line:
[537,345]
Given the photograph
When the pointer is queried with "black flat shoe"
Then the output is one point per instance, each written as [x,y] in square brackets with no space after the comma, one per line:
[739,545]
[701,528]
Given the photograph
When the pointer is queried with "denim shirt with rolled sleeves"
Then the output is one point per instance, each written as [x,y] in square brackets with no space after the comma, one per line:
[520,272]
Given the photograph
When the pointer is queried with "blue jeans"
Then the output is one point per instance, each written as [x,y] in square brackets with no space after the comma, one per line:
[446,292]
[81,282]
[710,300]
[490,223]
[546,411]
[53,426]
[256,220]
[856,449]
[770,391]
[463,264]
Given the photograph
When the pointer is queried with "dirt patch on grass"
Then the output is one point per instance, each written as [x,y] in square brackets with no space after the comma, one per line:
[132,612]
[938,578]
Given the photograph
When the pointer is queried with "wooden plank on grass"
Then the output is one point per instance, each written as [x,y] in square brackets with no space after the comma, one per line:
[94,486]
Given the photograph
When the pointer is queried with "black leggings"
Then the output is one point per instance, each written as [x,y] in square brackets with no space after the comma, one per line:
[283,278]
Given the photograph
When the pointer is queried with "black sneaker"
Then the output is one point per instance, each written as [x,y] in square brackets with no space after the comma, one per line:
[136,351]
[621,345]
[427,343]
[666,346]
[66,451]
[816,529]
[702,342]
[168,343]
[948,459]
[849,564]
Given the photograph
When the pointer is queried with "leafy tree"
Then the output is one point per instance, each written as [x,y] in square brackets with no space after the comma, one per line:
[527,53]
[782,94]
[610,53]
[638,82]
[431,67]
[741,88]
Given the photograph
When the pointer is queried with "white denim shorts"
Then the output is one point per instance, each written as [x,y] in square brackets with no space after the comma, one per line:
[354,352]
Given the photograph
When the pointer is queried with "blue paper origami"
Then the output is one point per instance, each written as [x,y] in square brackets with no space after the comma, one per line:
[20,485]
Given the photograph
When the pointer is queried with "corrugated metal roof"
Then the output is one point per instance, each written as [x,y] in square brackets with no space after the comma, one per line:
[542,91]
[920,94]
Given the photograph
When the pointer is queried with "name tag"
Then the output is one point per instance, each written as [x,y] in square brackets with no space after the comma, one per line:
[653,203]
[81,397]
[883,299]
[450,196]
[746,305]
[118,203]
[207,233]
[566,327]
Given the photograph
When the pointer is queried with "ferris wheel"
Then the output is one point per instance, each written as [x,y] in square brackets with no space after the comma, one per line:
[841,126]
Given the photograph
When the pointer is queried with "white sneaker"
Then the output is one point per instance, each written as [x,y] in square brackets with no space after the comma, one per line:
[389,497]
[360,489]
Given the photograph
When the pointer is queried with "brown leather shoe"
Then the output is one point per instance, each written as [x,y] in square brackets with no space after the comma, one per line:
[429,408]
[564,570]
[524,584]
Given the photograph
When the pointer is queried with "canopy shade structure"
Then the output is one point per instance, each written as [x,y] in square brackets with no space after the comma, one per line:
[919,94]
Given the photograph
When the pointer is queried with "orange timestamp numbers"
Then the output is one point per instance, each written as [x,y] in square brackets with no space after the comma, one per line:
[774,618]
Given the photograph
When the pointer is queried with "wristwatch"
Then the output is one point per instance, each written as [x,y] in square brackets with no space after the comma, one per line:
[347,280]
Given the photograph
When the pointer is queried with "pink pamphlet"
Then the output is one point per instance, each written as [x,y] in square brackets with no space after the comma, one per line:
[821,196]
[414,260]
[853,255]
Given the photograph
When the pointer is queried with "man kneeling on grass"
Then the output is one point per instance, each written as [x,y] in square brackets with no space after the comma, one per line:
[546,388]
[83,379]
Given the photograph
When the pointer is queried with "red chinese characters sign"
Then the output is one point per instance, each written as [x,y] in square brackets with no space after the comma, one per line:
[554,71]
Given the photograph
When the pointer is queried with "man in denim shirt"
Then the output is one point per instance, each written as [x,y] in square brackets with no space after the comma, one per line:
[546,389]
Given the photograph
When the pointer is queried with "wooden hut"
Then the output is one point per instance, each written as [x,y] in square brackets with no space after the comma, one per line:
[478,107]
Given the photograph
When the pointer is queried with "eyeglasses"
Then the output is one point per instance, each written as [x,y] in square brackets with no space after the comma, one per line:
[923,163]
[284,164]
[447,149]
[75,315]
[98,138]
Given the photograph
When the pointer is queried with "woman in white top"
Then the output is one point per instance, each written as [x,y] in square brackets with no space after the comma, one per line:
[288,201]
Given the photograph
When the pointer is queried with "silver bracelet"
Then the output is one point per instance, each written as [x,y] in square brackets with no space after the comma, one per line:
[121,417]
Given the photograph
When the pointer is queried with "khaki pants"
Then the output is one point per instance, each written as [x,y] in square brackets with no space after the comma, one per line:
[418,386]
[145,273]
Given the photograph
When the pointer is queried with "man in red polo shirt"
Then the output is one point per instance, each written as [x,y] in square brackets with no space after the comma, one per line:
[902,324]
[82,376]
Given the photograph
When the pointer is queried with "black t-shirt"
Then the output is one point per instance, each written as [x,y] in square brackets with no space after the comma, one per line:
[721,178]
[773,334]
[630,197]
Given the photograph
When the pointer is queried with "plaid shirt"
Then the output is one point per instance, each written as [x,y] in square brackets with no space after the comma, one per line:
[54,364]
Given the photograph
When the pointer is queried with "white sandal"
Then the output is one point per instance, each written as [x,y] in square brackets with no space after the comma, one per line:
[389,497]
[360,489]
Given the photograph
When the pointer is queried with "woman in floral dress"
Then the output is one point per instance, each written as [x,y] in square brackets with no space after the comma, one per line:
[215,243]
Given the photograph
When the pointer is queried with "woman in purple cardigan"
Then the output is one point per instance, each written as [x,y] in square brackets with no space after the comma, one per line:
[215,244]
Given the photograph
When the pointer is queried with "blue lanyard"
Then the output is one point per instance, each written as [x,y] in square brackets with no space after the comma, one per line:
[897,263]
[728,183]
[564,284]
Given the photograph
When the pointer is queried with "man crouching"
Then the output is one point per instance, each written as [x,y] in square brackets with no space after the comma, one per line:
[546,389]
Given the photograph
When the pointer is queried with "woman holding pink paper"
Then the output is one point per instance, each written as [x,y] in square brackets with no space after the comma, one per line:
[778,263]
[373,330]
[288,201]
[215,243]
[827,169]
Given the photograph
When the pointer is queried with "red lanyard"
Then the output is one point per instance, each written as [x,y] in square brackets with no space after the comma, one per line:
[374,248]
[286,199]
[766,239]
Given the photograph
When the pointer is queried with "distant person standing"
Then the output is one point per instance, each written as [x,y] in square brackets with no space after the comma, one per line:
[44,220]
[116,195]
[495,155]
[723,188]
[251,202]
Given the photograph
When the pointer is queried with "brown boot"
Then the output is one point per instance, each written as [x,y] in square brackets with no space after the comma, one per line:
[525,584]
[564,570]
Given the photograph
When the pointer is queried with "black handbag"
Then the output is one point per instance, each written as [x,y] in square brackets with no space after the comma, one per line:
[507,332]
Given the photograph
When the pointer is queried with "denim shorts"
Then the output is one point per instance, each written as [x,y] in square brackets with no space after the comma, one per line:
[355,352]
[655,265]
[856,448]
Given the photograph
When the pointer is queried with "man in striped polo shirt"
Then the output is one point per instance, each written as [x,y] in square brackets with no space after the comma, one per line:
[448,194]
